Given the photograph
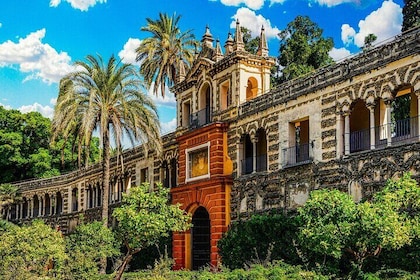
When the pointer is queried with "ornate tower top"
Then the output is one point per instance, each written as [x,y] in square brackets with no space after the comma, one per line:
[229,44]
[207,39]
[239,43]
[182,72]
[262,46]
[218,54]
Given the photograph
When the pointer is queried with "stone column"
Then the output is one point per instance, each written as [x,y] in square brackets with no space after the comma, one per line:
[388,122]
[371,108]
[347,133]
[31,208]
[239,157]
[128,186]
[69,200]
[41,205]
[254,154]
[418,113]
[52,204]
[339,135]
[170,175]
[21,210]
[17,210]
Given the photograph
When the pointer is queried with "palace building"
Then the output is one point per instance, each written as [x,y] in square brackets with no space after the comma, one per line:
[242,147]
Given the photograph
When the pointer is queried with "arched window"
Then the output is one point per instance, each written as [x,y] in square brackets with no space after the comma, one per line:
[261,146]
[251,88]
[36,206]
[359,127]
[59,204]
[74,199]
[47,205]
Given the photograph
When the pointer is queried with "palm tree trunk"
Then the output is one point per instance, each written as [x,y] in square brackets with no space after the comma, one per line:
[105,175]
[105,182]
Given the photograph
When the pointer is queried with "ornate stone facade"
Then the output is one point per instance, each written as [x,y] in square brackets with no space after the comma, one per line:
[242,148]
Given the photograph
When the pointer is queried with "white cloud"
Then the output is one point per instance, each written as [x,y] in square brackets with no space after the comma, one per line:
[40,60]
[167,101]
[168,126]
[252,21]
[384,23]
[46,111]
[7,107]
[272,2]
[82,5]
[331,3]
[128,53]
[252,4]
[1,24]
[347,33]
[338,54]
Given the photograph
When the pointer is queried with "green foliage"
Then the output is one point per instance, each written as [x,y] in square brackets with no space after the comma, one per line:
[146,216]
[8,194]
[150,254]
[110,97]
[273,271]
[86,246]
[164,51]
[25,148]
[336,226]
[302,48]
[411,14]
[27,252]
[328,218]
[260,239]
[369,40]
[251,44]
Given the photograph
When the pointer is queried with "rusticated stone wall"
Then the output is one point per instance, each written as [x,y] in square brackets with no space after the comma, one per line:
[360,175]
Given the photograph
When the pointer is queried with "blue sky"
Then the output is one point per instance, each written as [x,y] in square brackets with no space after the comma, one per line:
[41,39]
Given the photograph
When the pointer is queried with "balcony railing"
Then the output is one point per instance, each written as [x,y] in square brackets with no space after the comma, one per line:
[400,131]
[247,164]
[200,118]
[298,154]
[261,163]
[359,140]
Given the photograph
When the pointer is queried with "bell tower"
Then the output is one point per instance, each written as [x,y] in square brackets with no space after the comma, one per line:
[207,101]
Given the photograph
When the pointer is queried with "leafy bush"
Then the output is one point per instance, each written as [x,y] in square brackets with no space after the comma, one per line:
[272,271]
[31,251]
[260,239]
[86,246]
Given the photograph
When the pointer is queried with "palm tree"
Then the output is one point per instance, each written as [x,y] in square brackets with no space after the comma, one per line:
[108,98]
[162,53]
[8,194]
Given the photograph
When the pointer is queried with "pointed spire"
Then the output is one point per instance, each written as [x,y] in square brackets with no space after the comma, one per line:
[218,54]
[262,46]
[207,39]
[239,42]
[229,44]
[182,72]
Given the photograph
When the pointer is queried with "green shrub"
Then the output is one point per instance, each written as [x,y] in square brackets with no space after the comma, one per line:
[274,271]
[260,239]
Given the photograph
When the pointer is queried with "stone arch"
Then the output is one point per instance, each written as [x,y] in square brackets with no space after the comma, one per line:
[251,88]
[204,95]
[36,204]
[359,126]
[58,203]
[201,238]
